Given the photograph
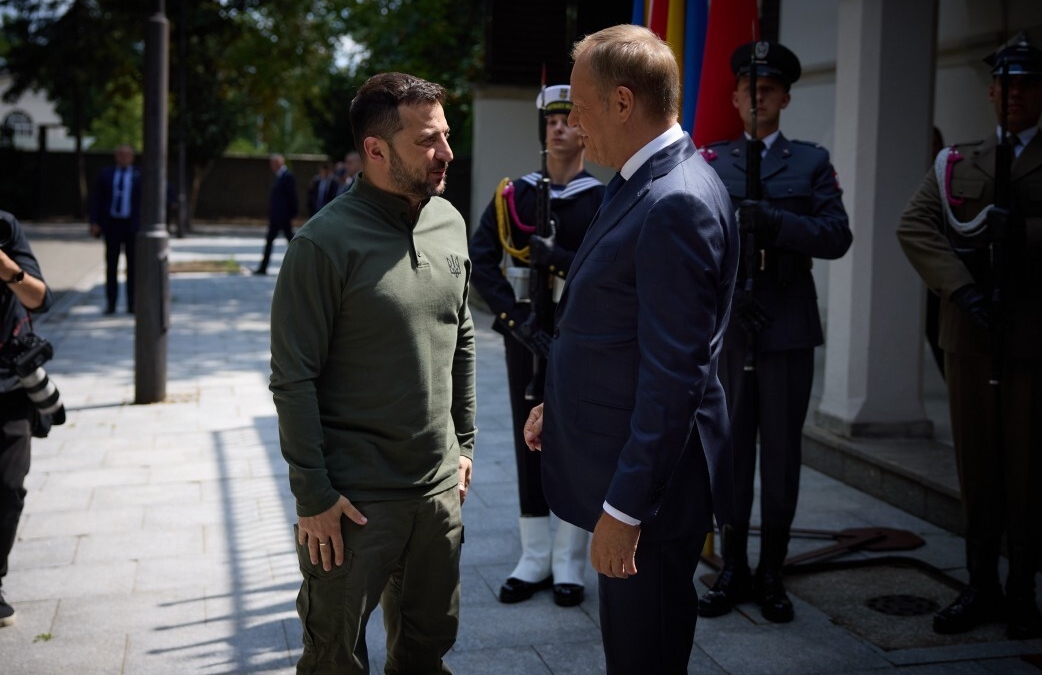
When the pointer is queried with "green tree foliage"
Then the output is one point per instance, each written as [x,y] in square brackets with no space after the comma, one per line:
[438,40]
[258,73]
[80,52]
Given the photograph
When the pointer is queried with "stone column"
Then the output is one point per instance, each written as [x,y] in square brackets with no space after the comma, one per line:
[884,111]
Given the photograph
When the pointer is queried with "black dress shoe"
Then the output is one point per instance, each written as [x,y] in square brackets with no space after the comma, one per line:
[515,590]
[733,585]
[774,602]
[972,608]
[259,272]
[110,310]
[568,595]
[1023,621]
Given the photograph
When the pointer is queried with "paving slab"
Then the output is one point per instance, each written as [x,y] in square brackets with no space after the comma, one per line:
[157,538]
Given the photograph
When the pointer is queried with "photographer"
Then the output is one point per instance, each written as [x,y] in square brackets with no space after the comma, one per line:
[22,291]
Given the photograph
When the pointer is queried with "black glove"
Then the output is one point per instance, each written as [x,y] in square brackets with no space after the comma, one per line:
[540,249]
[998,223]
[519,323]
[761,219]
[970,300]
[536,339]
[749,312]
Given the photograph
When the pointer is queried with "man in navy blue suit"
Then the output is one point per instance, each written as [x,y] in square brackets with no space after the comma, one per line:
[115,212]
[634,426]
[282,208]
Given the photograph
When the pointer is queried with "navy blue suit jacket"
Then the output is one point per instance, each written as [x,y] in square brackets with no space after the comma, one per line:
[282,206]
[101,201]
[635,413]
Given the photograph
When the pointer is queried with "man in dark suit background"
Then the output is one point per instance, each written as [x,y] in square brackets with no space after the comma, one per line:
[799,217]
[282,208]
[635,421]
[116,213]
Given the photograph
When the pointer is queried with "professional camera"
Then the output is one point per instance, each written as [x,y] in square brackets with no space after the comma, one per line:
[25,355]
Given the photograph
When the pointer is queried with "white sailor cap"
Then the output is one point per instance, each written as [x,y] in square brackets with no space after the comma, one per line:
[555,99]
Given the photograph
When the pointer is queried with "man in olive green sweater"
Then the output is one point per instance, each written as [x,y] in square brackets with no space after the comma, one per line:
[372,358]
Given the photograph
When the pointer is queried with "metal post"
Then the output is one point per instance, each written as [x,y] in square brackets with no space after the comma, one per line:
[182,127]
[151,280]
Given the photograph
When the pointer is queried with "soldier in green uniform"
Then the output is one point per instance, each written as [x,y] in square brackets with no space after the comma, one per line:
[986,263]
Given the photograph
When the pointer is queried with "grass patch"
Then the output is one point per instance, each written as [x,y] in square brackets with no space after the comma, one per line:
[227,266]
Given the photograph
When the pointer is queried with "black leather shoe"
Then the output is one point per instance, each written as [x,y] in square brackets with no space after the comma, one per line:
[568,595]
[515,590]
[770,595]
[972,608]
[7,613]
[260,272]
[1023,621]
[733,585]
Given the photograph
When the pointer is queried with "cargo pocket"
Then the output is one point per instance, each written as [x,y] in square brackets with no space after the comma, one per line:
[321,602]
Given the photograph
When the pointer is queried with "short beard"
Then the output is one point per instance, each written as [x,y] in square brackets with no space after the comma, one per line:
[409,183]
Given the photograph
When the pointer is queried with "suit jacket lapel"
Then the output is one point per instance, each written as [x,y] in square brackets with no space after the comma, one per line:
[773,162]
[776,158]
[1030,158]
[629,195]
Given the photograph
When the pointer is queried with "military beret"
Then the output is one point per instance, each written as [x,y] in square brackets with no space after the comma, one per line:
[772,60]
[1023,54]
[555,99]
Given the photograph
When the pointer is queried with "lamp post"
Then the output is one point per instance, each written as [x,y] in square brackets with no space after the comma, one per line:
[152,276]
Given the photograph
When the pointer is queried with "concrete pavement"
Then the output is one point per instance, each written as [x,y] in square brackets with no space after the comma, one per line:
[157,538]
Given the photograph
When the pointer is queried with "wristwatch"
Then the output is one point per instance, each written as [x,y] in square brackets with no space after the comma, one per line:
[17,278]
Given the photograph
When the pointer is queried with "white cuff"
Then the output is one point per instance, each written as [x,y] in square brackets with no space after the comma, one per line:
[619,515]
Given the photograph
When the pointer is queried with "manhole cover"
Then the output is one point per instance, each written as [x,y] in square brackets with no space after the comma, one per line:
[902,605]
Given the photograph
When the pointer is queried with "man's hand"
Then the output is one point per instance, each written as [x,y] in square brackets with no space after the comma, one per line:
[614,547]
[519,322]
[95,230]
[970,300]
[540,250]
[532,336]
[466,469]
[760,219]
[322,532]
[534,428]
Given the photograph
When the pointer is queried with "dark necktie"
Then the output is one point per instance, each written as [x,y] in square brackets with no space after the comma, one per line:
[1014,143]
[614,186]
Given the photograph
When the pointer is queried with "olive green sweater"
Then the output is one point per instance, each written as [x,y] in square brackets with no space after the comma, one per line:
[372,351]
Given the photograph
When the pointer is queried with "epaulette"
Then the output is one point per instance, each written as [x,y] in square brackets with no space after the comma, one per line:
[811,144]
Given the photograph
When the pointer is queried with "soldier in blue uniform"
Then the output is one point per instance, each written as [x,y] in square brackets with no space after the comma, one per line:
[775,324]
[501,250]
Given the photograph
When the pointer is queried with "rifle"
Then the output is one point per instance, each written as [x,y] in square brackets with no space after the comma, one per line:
[998,226]
[541,319]
[753,191]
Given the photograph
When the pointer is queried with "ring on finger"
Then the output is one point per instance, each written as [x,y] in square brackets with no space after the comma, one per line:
[322,543]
